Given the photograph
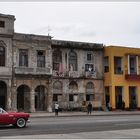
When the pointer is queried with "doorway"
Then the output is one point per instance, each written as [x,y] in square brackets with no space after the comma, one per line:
[3,94]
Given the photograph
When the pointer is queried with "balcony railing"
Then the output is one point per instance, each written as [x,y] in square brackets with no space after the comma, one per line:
[134,77]
[74,74]
[34,71]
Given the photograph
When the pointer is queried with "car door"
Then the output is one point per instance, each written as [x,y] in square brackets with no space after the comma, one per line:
[5,118]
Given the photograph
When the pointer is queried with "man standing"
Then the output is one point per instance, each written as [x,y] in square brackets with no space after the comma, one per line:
[89,108]
[56,107]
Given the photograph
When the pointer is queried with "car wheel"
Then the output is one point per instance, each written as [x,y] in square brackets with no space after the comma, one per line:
[21,122]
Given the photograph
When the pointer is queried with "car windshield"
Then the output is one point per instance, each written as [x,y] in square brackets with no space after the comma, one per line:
[2,111]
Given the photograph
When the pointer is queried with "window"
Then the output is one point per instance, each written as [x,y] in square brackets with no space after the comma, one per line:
[106,64]
[2,24]
[57,85]
[55,97]
[23,57]
[73,61]
[73,85]
[133,64]
[89,91]
[89,85]
[40,58]
[57,59]
[89,67]
[118,65]
[2,56]
[89,56]
[71,97]
[89,97]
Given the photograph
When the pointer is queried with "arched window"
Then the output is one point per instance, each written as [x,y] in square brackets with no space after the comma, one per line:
[57,91]
[57,59]
[57,85]
[73,85]
[73,61]
[89,85]
[90,92]
[2,53]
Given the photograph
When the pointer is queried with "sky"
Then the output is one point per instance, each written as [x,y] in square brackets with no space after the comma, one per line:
[110,23]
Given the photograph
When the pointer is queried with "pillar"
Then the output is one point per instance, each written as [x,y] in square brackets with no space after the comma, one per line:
[49,101]
[128,64]
[138,97]
[9,89]
[112,97]
[32,100]
[14,98]
[126,97]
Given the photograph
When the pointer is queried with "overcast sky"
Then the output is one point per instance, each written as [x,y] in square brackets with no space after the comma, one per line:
[110,23]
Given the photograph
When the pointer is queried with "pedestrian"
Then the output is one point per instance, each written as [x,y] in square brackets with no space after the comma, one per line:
[56,107]
[123,105]
[89,108]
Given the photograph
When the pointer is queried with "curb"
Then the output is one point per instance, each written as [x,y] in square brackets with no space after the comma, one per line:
[83,115]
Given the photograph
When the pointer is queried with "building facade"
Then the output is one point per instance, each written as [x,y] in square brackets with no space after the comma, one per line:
[77,76]
[122,77]
[36,71]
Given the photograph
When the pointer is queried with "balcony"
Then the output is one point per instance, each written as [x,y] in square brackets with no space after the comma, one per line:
[74,74]
[5,71]
[33,71]
[132,77]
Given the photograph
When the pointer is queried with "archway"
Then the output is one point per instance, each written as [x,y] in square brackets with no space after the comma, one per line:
[23,98]
[3,94]
[40,98]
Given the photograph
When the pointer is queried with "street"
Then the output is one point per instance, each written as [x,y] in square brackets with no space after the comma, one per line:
[77,127]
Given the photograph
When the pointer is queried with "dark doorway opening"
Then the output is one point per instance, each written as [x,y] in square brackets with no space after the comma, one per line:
[3,94]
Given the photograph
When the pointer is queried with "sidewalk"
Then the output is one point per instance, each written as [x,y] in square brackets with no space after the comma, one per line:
[94,113]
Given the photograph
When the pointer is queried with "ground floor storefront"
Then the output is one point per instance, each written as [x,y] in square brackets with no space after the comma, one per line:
[123,97]
[34,94]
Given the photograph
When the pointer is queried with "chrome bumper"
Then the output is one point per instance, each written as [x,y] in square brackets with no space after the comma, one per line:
[28,121]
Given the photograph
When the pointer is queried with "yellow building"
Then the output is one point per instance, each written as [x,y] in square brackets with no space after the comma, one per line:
[122,77]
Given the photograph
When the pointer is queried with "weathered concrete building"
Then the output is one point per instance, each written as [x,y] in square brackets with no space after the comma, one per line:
[32,68]
[6,35]
[36,71]
[77,74]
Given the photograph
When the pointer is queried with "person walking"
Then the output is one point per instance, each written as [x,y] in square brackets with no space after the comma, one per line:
[89,108]
[56,107]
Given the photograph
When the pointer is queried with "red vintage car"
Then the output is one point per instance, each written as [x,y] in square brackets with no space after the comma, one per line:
[18,119]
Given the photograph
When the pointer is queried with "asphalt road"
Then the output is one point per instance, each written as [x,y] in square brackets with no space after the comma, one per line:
[77,124]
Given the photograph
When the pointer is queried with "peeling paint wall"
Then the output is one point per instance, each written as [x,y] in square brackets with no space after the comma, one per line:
[28,85]
[81,76]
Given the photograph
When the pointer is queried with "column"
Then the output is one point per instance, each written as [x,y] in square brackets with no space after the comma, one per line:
[49,103]
[137,61]
[103,99]
[126,97]
[14,98]
[138,96]
[9,95]
[32,100]
[128,65]
[112,97]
